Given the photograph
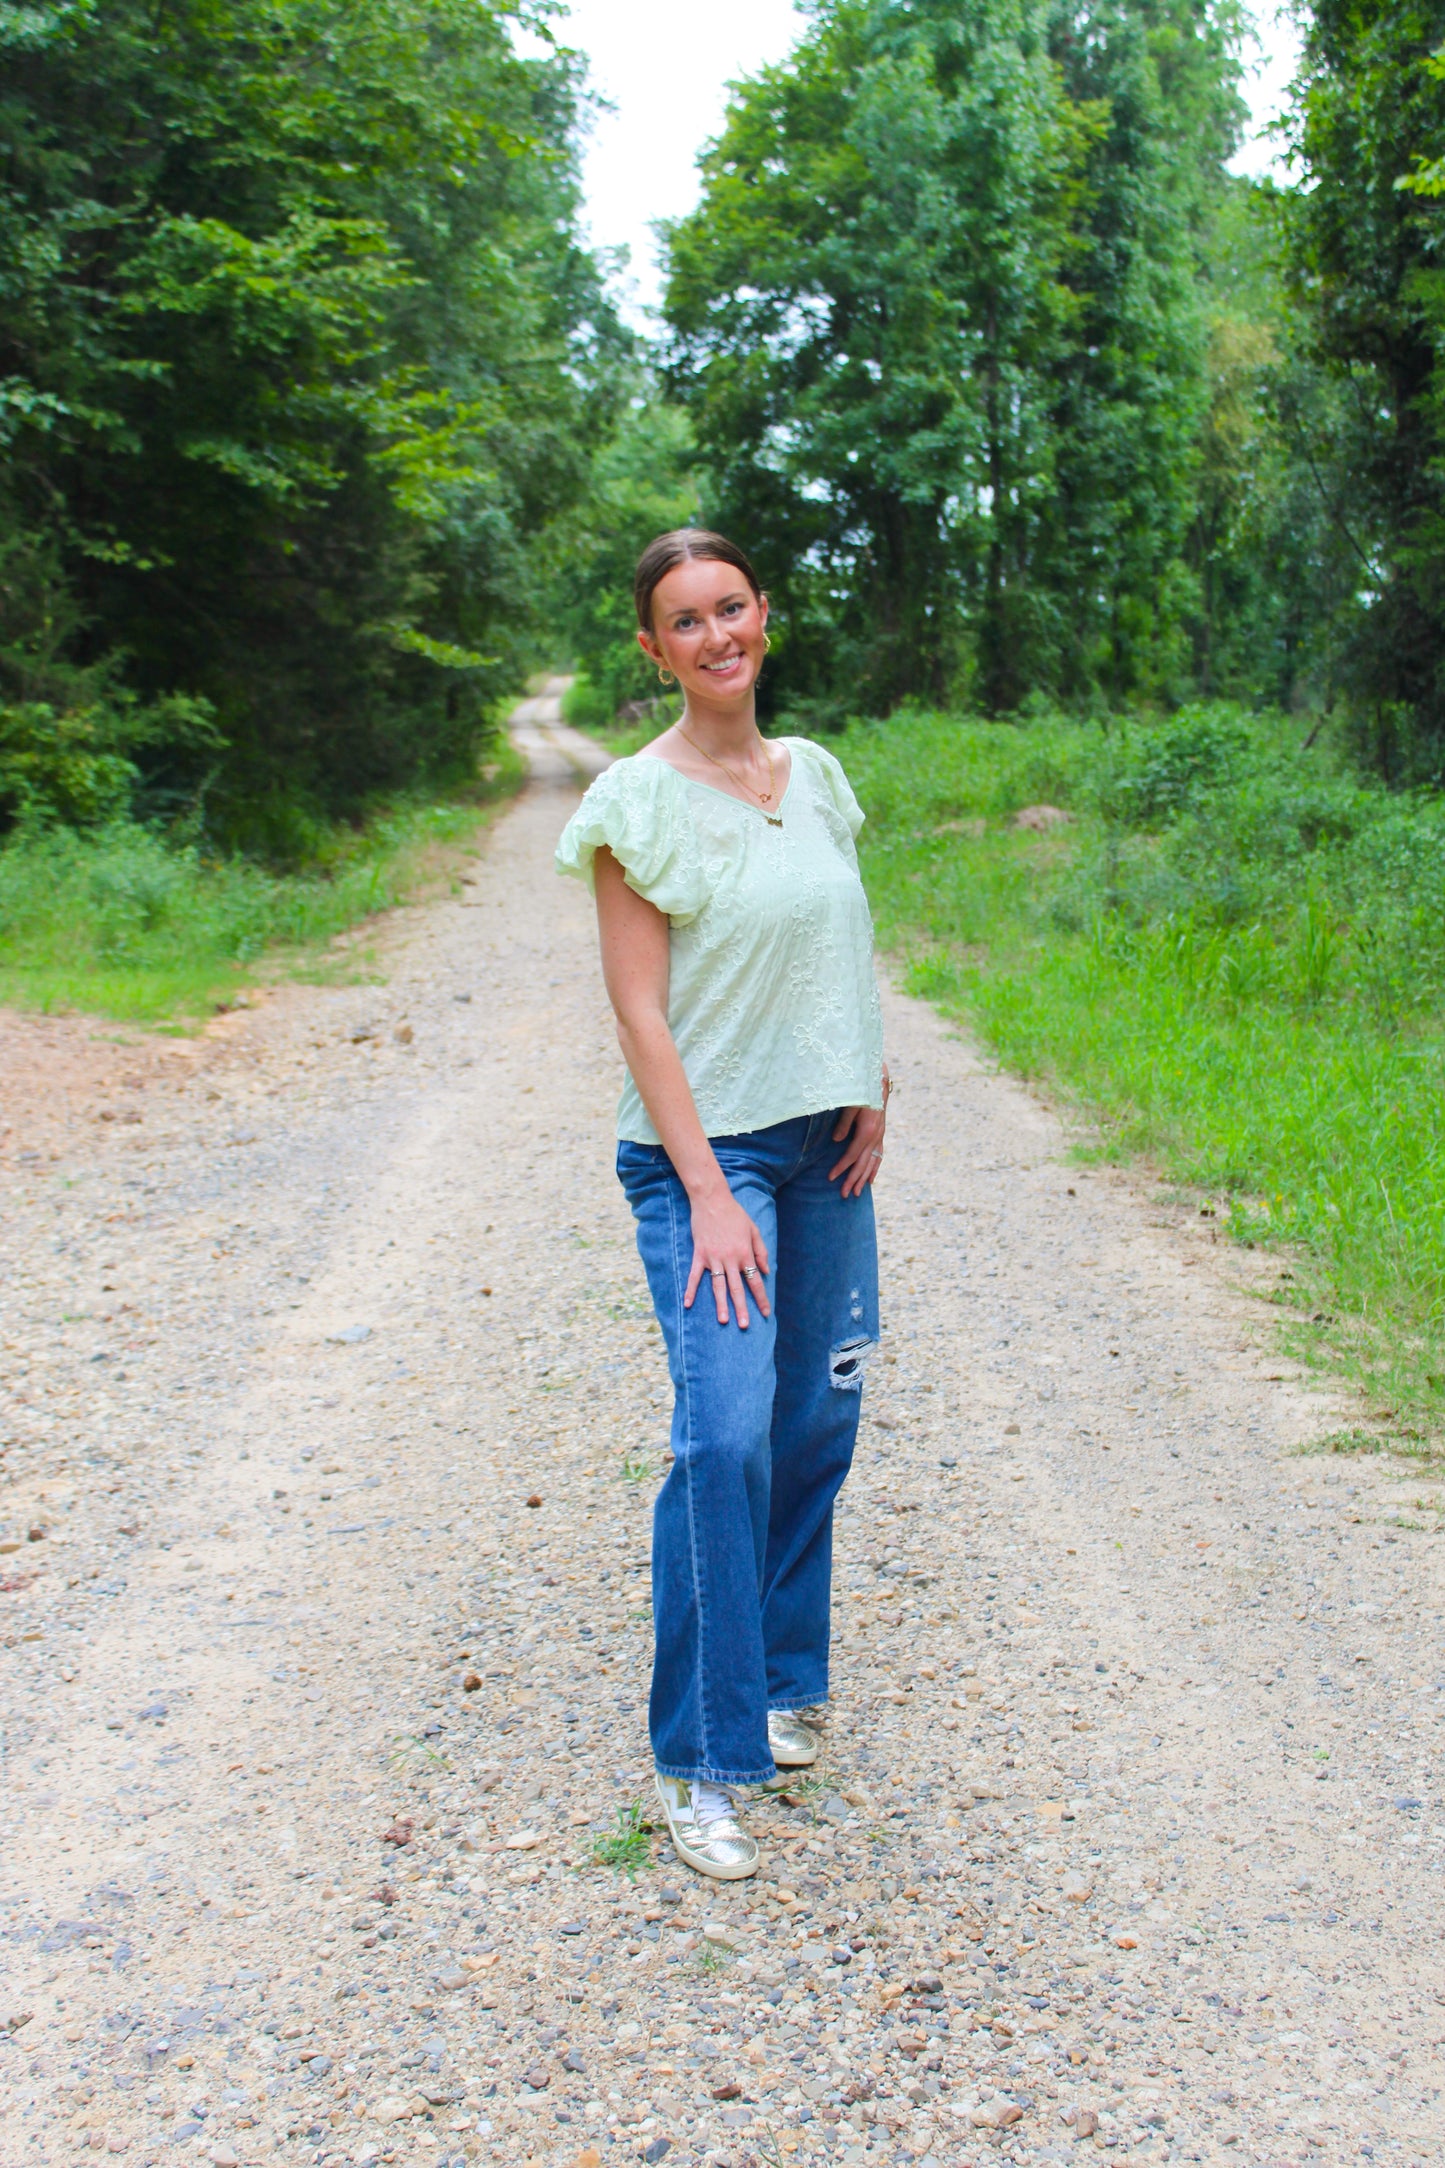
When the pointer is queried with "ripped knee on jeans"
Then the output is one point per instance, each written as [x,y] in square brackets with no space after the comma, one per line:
[846,1363]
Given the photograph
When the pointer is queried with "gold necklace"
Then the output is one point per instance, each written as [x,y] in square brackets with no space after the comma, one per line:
[764,797]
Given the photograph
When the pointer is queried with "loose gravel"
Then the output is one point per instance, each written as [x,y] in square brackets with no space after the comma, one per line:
[332,1415]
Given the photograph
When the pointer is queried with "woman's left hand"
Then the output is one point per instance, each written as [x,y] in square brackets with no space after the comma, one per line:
[863,1127]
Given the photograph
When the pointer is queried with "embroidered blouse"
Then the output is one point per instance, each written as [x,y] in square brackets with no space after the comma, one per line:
[772,1000]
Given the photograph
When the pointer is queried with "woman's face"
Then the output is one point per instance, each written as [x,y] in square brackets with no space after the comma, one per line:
[708,629]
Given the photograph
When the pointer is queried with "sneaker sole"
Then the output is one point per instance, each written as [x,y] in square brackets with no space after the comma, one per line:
[700,1864]
[796,1761]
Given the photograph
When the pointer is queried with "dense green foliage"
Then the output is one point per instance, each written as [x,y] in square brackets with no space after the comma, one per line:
[300,362]
[120,920]
[941,325]
[1233,956]
[1018,397]
[643,482]
[1366,239]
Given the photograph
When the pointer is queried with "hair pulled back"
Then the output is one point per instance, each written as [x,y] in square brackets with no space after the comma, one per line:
[682,546]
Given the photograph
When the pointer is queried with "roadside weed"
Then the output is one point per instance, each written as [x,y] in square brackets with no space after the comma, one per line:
[628,1847]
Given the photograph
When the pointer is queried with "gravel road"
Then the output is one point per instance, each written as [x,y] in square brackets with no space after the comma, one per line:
[332,1412]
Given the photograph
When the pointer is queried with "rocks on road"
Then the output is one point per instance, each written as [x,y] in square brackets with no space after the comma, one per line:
[332,1392]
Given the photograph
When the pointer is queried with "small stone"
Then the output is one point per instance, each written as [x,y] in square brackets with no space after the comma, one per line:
[393,2109]
[534,1500]
[1085,2122]
[1405,1805]
[154,1712]
[471,1682]
[450,1980]
[221,2156]
[658,2148]
[539,2077]
[589,2158]
[1078,1892]
[37,1535]
[403,1035]
[841,1954]
[525,1840]
[730,2091]
[572,2060]
[572,1927]
[721,1935]
[350,1336]
[1012,1430]
[1125,1942]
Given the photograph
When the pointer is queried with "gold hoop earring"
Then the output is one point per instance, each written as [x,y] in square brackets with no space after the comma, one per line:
[767,643]
[664,675]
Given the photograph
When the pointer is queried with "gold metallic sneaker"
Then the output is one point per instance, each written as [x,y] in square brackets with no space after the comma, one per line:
[705,1830]
[794,1745]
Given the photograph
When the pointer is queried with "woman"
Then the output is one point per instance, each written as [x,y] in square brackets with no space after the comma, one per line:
[738,954]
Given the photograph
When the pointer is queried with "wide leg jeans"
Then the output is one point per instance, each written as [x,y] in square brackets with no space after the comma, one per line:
[763,1430]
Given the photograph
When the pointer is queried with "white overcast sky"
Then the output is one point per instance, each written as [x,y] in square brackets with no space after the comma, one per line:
[664,67]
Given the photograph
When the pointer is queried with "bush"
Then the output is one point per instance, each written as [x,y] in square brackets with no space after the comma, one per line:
[117,919]
[1234,957]
[82,764]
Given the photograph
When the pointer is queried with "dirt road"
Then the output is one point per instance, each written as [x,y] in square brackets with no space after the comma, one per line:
[332,1414]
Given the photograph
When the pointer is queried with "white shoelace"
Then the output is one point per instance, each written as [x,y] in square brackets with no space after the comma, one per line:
[711,1803]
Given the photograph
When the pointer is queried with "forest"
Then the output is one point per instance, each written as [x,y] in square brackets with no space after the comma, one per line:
[1073,463]
[318,422]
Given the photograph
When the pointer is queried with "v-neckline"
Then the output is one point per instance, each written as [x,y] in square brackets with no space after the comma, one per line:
[774,819]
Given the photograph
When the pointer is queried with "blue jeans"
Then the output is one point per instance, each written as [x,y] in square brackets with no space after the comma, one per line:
[763,1428]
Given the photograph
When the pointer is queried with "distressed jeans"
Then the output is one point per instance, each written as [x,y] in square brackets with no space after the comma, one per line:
[763,1429]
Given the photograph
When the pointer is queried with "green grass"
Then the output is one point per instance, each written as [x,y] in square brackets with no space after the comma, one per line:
[628,1847]
[119,922]
[1232,959]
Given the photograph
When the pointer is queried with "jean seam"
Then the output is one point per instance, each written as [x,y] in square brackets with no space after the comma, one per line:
[679,1289]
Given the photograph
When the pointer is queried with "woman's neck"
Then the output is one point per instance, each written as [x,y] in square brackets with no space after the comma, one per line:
[730,728]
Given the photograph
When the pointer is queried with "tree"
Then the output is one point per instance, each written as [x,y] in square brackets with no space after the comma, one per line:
[937,322]
[300,360]
[1366,236]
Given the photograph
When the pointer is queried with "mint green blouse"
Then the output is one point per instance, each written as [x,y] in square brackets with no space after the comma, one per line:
[772,998]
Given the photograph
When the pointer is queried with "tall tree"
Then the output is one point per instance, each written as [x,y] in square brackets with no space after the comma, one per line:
[300,357]
[1367,233]
[936,321]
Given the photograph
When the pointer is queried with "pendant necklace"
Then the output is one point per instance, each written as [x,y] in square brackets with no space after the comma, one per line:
[764,797]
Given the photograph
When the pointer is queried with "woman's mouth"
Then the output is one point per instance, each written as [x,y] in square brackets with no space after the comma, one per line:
[721,669]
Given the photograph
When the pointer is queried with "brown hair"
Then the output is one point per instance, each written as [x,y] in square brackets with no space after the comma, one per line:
[680,547]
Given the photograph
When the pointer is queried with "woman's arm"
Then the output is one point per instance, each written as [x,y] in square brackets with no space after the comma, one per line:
[635,967]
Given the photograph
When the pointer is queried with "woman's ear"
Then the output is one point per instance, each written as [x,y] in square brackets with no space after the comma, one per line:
[649,646]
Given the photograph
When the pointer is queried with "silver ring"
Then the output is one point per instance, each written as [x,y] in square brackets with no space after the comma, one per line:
[719,1274]
[875,1155]
[750,1272]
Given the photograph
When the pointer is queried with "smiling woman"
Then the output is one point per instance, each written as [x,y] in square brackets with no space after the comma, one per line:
[737,949]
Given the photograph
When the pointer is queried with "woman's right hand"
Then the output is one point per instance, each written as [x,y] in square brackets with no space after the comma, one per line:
[727,1246]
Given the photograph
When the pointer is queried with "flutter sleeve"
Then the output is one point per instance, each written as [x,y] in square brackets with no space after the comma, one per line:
[638,809]
[840,790]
